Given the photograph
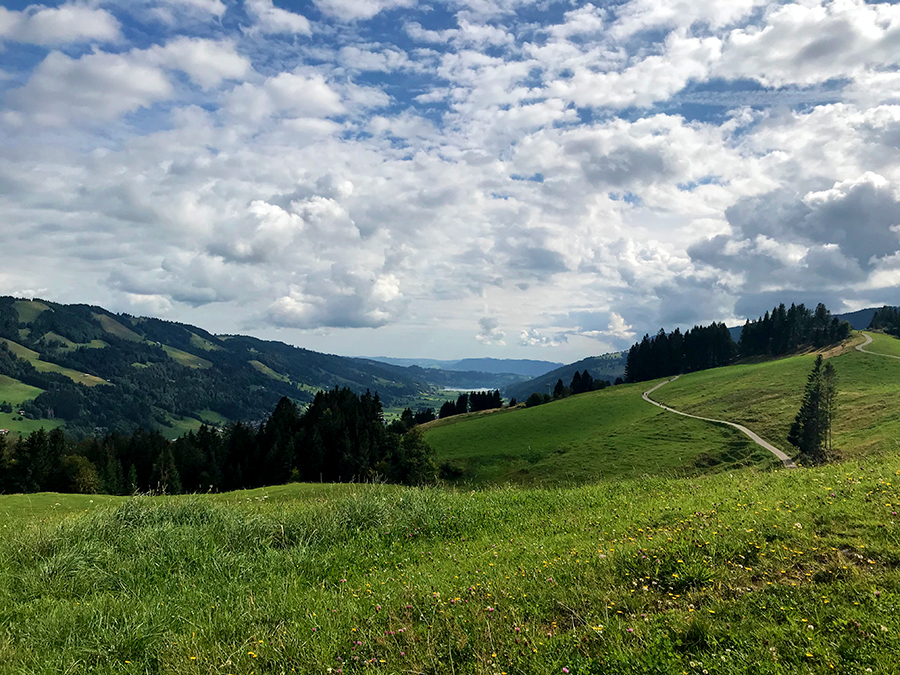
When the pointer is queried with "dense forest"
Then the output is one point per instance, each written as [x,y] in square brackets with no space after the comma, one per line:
[340,437]
[157,371]
[781,331]
[888,320]
[471,402]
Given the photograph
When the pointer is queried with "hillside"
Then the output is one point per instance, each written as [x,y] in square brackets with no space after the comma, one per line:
[605,367]
[526,368]
[745,572]
[765,397]
[603,434]
[614,433]
[91,370]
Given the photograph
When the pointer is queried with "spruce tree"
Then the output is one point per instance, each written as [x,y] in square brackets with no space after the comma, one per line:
[829,394]
[809,431]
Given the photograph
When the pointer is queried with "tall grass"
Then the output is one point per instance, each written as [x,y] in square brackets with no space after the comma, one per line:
[742,572]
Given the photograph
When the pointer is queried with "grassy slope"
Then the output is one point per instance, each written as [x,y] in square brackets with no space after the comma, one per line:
[884,344]
[606,433]
[47,367]
[186,359]
[22,427]
[113,327]
[16,392]
[766,397]
[268,372]
[742,572]
[28,310]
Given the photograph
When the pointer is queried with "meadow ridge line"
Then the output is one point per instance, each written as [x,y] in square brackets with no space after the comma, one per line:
[787,461]
[869,341]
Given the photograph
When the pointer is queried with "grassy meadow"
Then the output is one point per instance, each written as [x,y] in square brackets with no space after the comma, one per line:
[766,396]
[603,434]
[884,344]
[740,572]
[46,367]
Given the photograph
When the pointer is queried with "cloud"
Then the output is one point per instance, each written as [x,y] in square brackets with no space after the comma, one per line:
[207,62]
[286,94]
[641,15]
[49,26]
[618,328]
[642,83]
[339,299]
[213,8]
[354,10]
[589,173]
[533,338]
[810,42]
[271,19]
[97,86]
[489,332]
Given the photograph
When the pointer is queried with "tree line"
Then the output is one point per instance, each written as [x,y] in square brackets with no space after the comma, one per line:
[888,320]
[785,330]
[672,353]
[580,384]
[781,331]
[340,437]
[473,401]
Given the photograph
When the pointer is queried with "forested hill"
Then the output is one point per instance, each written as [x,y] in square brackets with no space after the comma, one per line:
[606,367]
[91,369]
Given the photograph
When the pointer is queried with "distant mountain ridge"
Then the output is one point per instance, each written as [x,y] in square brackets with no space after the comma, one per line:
[93,370]
[523,367]
[605,367]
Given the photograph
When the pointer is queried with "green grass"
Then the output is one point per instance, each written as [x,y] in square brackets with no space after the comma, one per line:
[16,392]
[22,427]
[766,396]
[28,310]
[113,327]
[744,572]
[603,434]
[212,417]
[179,426]
[186,359]
[884,344]
[46,367]
[203,343]
[69,346]
[268,372]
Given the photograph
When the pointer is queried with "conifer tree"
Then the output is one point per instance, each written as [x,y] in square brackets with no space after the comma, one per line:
[811,427]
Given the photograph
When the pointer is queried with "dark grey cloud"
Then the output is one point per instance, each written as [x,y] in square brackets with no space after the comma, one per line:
[754,305]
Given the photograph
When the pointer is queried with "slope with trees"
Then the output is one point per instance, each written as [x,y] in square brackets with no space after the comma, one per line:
[780,332]
[607,367]
[887,319]
[159,371]
[341,436]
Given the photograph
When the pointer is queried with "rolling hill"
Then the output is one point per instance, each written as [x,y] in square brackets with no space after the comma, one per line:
[614,433]
[605,367]
[526,368]
[91,370]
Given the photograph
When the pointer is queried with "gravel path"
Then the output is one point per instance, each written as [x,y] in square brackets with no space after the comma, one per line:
[787,461]
[867,343]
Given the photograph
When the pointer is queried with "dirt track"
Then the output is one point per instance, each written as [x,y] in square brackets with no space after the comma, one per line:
[787,461]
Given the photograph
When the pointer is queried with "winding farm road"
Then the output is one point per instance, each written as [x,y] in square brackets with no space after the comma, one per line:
[787,461]
[869,341]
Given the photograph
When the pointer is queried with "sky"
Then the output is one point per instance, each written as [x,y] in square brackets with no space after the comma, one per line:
[501,178]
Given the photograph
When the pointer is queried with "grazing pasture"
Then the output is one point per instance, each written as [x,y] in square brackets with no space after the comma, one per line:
[740,572]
